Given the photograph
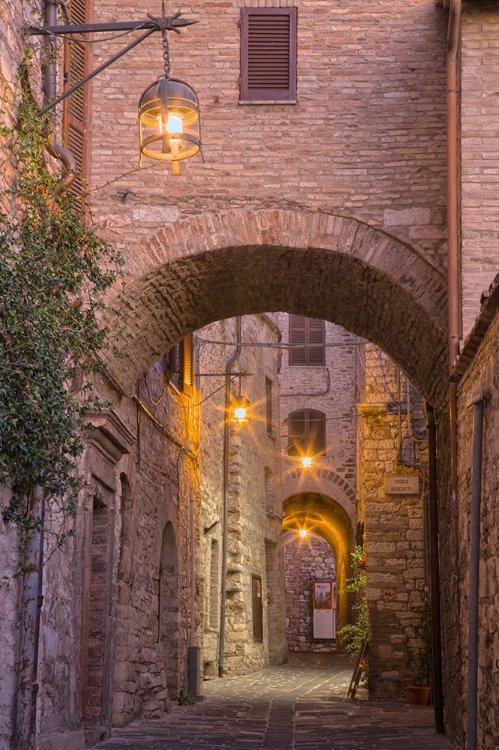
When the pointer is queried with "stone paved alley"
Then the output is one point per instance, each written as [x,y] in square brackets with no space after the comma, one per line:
[298,706]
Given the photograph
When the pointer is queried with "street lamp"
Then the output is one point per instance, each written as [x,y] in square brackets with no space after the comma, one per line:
[307,462]
[169,122]
[239,410]
[169,119]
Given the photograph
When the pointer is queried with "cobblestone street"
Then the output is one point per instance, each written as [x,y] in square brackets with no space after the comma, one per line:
[299,706]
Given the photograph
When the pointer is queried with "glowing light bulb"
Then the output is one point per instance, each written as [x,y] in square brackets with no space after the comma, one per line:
[240,413]
[174,123]
[306,462]
[303,533]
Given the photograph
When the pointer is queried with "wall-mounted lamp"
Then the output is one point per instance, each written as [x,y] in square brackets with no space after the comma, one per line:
[307,462]
[303,533]
[239,411]
[169,122]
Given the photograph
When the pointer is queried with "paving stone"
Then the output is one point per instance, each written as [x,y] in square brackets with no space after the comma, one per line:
[299,706]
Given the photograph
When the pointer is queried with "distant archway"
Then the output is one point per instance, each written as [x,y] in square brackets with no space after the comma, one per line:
[325,517]
[237,262]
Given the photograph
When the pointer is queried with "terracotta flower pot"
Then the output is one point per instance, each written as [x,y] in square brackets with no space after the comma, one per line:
[417,695]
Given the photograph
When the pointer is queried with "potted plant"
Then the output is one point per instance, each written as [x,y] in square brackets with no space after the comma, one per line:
[419,691]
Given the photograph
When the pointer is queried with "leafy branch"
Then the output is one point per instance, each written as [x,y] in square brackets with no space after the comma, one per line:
[53,272]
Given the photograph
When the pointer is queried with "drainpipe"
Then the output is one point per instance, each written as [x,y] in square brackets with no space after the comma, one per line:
[49,94]
[436,637]
[225,511]
[477,401]
[453,217]
[24,733]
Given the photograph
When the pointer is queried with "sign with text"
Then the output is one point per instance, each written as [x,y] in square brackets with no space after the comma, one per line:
[402,485]
[324,606]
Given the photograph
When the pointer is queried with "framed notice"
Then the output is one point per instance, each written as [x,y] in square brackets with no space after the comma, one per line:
[324,609]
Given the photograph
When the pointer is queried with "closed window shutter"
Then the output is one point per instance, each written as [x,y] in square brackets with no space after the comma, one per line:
[310,332]
[315,336]
[297,336]
[76,67]
[268,55]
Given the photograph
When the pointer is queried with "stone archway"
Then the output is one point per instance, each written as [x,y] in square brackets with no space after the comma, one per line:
[325,517]
[322,265]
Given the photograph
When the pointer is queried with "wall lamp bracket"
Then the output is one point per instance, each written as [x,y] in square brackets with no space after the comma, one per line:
[168,23]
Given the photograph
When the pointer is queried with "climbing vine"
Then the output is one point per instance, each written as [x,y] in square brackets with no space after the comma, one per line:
[354,634]
[53,272]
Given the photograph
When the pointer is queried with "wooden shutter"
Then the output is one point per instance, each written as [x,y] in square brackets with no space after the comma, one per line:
[310,332]
[76,67]
[268,55]
[268,405]
[187,364]
[307,433]
[316,432]
[315,354]
[297,335]
[296,433]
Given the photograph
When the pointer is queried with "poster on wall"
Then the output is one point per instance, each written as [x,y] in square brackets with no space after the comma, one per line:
[324,609]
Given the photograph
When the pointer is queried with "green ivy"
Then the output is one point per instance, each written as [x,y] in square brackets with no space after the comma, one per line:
[53,272]
[354,634]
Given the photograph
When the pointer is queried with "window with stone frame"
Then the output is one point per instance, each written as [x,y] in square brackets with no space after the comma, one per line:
[268,56]
[307,433]
[309,336]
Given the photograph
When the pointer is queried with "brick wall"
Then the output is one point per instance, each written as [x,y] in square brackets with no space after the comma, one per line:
[357,68]
[480,150]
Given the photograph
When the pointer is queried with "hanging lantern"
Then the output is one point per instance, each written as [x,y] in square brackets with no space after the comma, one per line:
[169,123]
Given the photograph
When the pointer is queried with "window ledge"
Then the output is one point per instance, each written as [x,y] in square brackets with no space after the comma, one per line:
[267,101]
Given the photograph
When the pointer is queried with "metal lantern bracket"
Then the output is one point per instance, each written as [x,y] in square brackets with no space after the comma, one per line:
[168,23]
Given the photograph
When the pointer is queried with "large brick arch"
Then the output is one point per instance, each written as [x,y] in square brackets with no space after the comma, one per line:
[323,482]
[242,261]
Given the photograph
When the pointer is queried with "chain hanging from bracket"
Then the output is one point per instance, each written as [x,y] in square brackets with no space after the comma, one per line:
[166,45]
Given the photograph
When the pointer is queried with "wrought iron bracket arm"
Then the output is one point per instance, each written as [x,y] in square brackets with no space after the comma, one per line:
[170,23]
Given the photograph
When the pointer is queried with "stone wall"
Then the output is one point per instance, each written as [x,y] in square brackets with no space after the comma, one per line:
[306,560]
[392,444]
[480,374]
[9,613]
[254,498]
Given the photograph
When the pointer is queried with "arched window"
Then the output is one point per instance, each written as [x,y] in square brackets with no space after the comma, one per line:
[307,433]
